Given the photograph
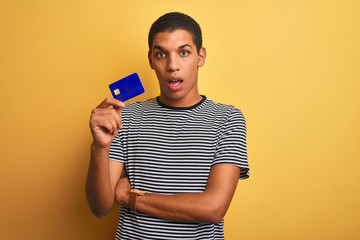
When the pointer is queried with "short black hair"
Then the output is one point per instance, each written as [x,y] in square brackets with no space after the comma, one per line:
[174,21]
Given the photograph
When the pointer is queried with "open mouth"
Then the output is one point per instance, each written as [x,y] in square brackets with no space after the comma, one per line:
[175,84]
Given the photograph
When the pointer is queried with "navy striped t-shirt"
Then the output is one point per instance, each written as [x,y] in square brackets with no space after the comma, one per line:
[169,150]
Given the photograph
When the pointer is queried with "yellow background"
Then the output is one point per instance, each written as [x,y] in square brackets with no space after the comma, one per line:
[292,67]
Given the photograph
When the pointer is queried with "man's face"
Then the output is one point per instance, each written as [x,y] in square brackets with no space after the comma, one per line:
[175,60]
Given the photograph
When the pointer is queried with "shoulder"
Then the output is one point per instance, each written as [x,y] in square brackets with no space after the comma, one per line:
[227,111]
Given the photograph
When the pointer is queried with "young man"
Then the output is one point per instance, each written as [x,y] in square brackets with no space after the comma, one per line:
[182,153]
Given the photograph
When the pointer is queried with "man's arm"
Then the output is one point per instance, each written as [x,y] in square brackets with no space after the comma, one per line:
[103,173]
[208,206]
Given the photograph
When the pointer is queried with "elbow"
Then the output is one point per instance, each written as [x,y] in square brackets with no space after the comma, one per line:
[215,214]
[99,209]
[99,213]
[216,218]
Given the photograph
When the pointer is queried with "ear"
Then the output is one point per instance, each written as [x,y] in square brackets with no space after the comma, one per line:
[202,57]
[150,62]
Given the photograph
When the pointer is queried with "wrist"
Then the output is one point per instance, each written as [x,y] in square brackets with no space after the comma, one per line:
[95,147]
[133,195]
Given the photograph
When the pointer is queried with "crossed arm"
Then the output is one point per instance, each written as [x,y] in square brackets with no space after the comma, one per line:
[104,187]
[208,206]
[104,184]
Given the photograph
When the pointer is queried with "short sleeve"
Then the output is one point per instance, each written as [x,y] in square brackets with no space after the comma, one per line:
[116,152]
[231,146]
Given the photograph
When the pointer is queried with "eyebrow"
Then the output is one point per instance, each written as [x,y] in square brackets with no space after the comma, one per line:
[158,47]
[181,47]
[185,45]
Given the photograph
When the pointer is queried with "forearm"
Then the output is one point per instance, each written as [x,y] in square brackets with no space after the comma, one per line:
[188,207]
[99,192]
[105,122]
[208,206]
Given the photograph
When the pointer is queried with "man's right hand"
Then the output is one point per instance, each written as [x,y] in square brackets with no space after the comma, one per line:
[105,122]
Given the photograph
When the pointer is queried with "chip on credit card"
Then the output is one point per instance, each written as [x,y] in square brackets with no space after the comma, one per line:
[127,88]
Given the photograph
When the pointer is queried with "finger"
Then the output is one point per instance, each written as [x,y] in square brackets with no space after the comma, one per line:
[107,126]
[114,125]
[117,117]
[101,114]
[111,102]
[124,181]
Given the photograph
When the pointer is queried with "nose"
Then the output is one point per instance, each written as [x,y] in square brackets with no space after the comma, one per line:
[172,63]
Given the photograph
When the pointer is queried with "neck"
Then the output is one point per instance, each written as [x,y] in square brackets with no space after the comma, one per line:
[180,103]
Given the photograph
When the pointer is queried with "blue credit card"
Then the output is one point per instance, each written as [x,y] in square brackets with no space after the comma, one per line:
[127,88]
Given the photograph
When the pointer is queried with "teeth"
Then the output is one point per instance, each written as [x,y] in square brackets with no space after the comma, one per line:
[175,82]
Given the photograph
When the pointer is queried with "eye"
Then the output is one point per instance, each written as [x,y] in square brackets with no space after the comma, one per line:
[160,54]
[184,53]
